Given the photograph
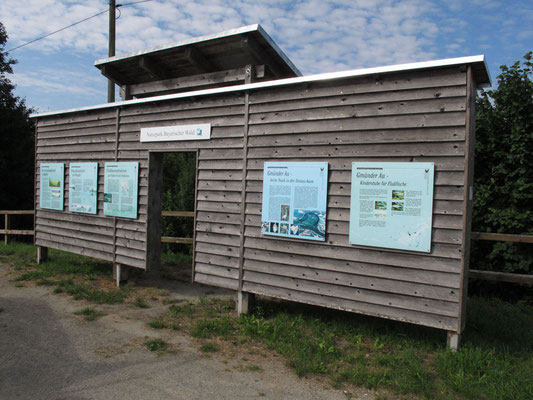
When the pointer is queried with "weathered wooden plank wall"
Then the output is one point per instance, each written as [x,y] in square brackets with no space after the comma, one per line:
[91,136]
[408,116]
[414,116]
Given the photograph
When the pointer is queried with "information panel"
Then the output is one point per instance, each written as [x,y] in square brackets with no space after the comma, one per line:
[83,187]
[121,181]
[295,199]
[52,186]
[392,205]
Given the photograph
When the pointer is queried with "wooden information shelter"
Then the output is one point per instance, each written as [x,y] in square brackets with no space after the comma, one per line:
[260,109]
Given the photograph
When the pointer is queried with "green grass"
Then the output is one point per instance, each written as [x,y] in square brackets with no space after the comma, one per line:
[90,314]
[141,303]
[186,309]
[156,345]
[396,359]
[73,274]
[209,347]
[157,324]
[83,291]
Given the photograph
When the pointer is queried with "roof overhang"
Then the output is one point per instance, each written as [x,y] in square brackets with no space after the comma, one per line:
[478,64]
[236,48]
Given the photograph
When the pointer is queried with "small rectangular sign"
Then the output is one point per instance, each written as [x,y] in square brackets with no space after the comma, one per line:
[295,200]
[176,132]
[83,187]
[392,205]
[52,187]
[121,180]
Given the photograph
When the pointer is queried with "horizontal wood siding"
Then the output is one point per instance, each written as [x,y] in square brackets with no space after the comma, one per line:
[417,117]
[82,137]
[411,116]
[91,136]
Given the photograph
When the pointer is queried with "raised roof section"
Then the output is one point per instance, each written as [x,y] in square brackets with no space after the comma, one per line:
[214,60]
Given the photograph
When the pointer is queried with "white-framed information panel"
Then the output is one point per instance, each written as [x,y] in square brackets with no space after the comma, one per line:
[83,187]
[295,200]
[52,189]
[391,205]
[121,180]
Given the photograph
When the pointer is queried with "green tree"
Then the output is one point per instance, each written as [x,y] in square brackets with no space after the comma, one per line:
[503,200]
[16,140]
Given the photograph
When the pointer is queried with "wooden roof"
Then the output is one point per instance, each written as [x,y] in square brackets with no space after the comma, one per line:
[212,53]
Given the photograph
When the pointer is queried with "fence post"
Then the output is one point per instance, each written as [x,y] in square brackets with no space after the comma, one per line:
[6,227]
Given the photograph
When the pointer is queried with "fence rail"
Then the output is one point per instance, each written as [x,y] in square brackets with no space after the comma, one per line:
[165,239]
[473,273]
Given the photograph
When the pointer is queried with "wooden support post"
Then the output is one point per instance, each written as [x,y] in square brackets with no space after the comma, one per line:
[42,254]
[120,273]
[7,226]
[454,340]
[245,302]
[243,298]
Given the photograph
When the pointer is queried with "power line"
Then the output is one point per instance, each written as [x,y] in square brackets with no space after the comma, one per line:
[74,24]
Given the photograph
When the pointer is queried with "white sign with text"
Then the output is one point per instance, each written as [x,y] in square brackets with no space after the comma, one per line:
[176,132]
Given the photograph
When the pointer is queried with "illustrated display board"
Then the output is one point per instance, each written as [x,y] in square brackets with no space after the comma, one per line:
[83,187]
[176,132]
[52,186]
[121,180]
[295,199]
[392,205]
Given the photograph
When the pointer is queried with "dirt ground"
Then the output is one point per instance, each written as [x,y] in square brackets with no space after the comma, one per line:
[48,352]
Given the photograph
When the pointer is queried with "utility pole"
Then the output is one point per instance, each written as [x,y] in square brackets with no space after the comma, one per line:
[110,83]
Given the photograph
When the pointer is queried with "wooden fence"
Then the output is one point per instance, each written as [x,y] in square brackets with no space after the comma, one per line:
[165,239]
[474,274]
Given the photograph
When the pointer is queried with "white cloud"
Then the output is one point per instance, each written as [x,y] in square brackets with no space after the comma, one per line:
[67,83]
[317,35]
[349,33]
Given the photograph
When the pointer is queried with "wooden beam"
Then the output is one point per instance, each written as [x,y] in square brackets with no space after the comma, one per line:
[42,254]
[125,92]
[177,213]
[260,55]
[6,240]
[502,237]
[17,212]
[501,277]
[168,239]
[219,78]
[148,64]
[110,73]
[196,58]
[16,232]
[454,341]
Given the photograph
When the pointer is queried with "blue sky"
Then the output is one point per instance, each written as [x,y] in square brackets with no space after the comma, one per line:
[317,35]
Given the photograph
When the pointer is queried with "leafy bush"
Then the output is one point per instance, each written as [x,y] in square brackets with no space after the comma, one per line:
[503,200]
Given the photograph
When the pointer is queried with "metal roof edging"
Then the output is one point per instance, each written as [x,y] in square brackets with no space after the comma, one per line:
[285,82]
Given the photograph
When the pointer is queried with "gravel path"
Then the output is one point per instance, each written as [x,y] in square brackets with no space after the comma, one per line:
[47,352]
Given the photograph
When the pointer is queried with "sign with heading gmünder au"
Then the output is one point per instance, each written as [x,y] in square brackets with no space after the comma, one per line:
[176,132]
[392,205]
